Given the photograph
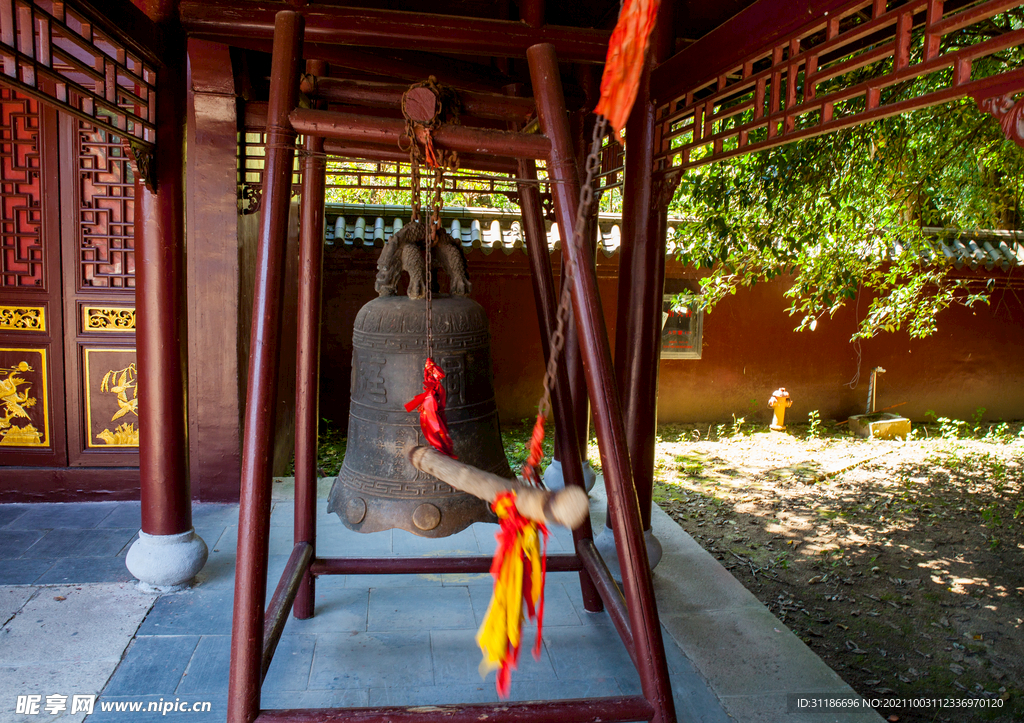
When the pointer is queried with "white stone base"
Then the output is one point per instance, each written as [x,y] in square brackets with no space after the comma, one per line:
[605,544]
[165,563]
[554,479]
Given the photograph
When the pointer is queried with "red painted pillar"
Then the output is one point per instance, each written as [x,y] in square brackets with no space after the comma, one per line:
[245,675]
[632,553]
[167,554]
[307,376]
[641,280]
[160,307]
[641,283]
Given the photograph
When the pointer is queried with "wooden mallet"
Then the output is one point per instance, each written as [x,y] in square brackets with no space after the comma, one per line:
[568,507]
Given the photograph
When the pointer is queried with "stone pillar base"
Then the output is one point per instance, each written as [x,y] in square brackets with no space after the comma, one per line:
[165,563]
[605,544]
[554,479]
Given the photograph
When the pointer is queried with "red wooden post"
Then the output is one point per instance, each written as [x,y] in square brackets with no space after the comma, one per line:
[637,585]
[311,254]
[160,306]
[168,553]
[258,437]
[641,281]
[546,301]
[641,286]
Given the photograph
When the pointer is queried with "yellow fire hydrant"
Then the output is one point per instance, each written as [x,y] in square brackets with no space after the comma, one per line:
[779,402]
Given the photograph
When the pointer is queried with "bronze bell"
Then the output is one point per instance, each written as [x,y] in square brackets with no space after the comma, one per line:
[378,488]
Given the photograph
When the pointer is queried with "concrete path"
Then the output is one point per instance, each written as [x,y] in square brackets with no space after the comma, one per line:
[375,639]
[63,641]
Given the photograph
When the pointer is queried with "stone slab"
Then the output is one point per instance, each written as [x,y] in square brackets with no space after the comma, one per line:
[435,694]
[456,658]
[46,679]
[74,624]
[371,660]
[396,609]
[340,698]
[292,662]
[125,514]
[22,572]
[66,542]
[583,652]
[65,647]
[13,599]
[207,671]
[153,665]
[72,570]
[63,515]
[336,611]
[199,611]
[11,511]
[14,543]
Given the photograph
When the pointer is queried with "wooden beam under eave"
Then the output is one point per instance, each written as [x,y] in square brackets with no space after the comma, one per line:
[758,27]
[388,95]
[372,28]
[383,131]
[393,65]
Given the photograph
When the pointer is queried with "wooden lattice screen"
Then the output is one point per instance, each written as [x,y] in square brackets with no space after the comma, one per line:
[869,60]
[56,52]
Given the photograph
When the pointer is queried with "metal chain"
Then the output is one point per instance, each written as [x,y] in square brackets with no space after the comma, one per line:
[414,172]
[557,341]
[433,224]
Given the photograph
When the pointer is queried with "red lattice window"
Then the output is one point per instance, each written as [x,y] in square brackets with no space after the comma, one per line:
[106,213]
[21,245]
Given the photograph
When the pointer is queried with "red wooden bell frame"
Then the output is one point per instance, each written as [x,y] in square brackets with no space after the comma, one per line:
[255,632]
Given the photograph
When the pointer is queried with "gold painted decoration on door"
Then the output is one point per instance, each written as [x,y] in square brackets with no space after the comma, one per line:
[108,318]
[22,318]
[24,413]
[112,398]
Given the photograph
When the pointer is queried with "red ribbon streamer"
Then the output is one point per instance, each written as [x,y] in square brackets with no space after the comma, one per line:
[431,403]
[626,51]
[536,452]
[513,526]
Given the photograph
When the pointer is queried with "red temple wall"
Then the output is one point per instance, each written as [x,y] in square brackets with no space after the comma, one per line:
[975,360]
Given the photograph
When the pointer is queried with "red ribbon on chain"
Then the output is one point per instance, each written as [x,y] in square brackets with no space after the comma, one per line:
[625,62]
[431,403]
[536,452]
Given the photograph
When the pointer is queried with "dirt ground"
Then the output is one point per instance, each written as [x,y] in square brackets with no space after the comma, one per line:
[899,563]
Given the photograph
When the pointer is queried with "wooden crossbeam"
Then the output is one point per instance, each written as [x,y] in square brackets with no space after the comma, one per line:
[224,20]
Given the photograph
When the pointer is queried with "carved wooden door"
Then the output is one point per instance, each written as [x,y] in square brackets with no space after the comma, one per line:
[32,429]
[99,298]
[67,289]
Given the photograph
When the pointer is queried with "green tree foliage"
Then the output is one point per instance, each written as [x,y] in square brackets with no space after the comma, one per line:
[846,212]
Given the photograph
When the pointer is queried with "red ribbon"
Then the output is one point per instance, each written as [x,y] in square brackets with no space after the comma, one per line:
[513,527]
[536,452]
[431,403]
[627,49]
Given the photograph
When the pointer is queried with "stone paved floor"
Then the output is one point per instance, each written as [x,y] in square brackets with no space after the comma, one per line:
[375,639]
